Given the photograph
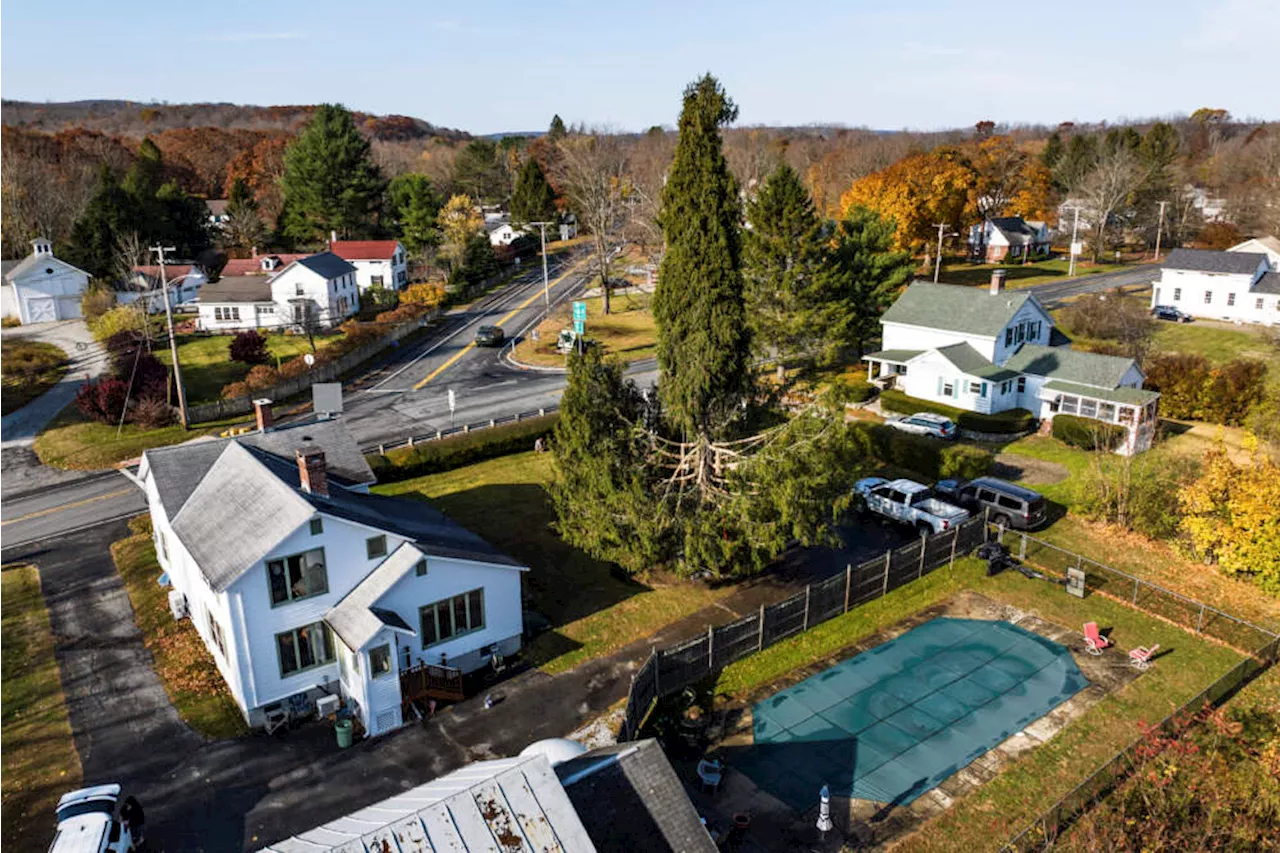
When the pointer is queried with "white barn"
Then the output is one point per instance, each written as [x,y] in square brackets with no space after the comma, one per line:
[1240,287]
[40,288]
[302,584]
[321,287]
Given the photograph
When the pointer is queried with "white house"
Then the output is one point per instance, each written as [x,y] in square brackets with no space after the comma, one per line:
[993,350]
[302,584]
[41,288]
[319,289]
[1269,246]
[1236,286]
[500,230]
[143,283]
[216,213]
[380,262]
[1008,237]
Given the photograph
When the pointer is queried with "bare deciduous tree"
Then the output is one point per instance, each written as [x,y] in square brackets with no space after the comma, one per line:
[1117,173]
[593,173]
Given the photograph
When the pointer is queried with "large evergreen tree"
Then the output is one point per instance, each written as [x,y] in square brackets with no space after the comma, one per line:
[330,182]
[703,341]
[557,130]
[110,214]
[413,207]
[533,200]
[784,265]
[866,275]
[479,173]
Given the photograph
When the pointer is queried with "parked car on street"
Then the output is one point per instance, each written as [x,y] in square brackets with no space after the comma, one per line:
[1168,312]
[87,823]
[908,502]
[490,336]
[1007,504]
[926,423]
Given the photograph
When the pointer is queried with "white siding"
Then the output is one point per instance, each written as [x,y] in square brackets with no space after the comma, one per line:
[51,290]
[929,375]
[251,316]
[394,275]
[1185,290]
[899,336]
[335,299]
[1027,316]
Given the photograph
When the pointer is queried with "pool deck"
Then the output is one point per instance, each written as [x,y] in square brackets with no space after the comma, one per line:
[871,825]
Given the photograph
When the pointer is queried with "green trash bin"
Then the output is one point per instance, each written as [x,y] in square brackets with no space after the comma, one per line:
[343,728]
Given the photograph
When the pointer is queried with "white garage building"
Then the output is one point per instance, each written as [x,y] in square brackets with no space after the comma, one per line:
[41,289]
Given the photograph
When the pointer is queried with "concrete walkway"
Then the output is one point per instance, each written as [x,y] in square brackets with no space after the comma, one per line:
[87,360]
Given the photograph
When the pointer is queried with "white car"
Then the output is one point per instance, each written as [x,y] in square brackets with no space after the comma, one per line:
[927,423]
[87,823]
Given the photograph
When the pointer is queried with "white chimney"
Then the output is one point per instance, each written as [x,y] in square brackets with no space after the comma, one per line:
[997,282]
[333,238]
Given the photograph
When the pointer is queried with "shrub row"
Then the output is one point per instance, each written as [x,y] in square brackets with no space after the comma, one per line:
[1191,387]
[1086,433]
[1001,423]
[455,451]
[843,390]
[928,458]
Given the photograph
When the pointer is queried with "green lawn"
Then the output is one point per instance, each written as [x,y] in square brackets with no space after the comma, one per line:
[207,366]
[74,442]
[627,331]
[182,661]
[592,608]
[1017,274]
[27,370]
[40,762]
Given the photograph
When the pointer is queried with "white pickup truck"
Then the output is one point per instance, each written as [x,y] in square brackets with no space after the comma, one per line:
[908,502]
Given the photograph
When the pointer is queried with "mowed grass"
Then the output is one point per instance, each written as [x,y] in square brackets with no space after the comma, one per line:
[1217,342]
[627,331]
[40,762]
[72,441]
[1017,274]
[182,661]
[207,366]
[592,608]
[27,370]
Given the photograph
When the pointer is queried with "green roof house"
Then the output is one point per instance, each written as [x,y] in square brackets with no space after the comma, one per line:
[991,350]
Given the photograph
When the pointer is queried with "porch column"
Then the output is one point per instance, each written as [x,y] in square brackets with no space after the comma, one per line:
[870,366]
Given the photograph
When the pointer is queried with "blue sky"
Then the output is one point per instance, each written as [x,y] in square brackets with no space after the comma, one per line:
[489,67]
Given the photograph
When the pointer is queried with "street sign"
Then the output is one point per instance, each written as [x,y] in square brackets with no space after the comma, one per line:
[579,311]
[453,401]
[1077,247]
[579,327]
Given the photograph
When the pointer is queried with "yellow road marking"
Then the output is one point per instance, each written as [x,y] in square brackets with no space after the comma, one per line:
[514,311]
[62,507]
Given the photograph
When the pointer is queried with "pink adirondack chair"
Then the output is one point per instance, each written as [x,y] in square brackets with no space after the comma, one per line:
[1141,657]
[1094,642]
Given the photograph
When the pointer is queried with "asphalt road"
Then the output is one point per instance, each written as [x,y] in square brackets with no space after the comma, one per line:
[58,510]
[1054,293]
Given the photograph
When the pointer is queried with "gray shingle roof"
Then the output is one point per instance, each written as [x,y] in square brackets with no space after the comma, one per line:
[326,264]
[236,288]
[1269,283]
[1085,368]
[1205,260]
[969,310]
[893,356]
[1123,394]
[14,269]
[355,618]
[629,798]
[1015,229]
[971,363]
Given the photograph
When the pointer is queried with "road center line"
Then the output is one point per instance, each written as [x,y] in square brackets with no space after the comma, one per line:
[71,505]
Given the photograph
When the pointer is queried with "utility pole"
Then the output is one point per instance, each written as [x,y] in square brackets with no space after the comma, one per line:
[546,287]
[1160,230]
[1075,229]
[173,344]
[937,264]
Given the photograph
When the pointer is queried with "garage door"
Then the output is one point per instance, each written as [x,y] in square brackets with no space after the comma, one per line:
[68,307]
[42,309]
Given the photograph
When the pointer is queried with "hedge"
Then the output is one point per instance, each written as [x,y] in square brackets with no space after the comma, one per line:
[842,391]
[1011,421]
[1086,433]
[928,458]
[444,454]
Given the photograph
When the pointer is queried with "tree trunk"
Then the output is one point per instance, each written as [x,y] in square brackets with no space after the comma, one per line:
[604,274]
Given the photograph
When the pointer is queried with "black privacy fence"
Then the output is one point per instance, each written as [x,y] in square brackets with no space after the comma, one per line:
[672,669]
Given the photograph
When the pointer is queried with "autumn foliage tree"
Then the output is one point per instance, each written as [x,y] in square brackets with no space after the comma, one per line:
[917,192]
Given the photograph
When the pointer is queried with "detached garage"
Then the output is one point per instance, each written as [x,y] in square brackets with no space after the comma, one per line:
[41,288]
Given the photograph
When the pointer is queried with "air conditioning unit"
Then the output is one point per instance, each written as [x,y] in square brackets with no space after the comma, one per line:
[177,604]
[327,705]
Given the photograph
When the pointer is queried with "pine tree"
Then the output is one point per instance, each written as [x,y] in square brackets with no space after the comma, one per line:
[478,172]
[414,206]
[110,214]
[1053,151]
[783,265]
[866,276]
[703,341]
[556,131]
[533,200]
[330,182]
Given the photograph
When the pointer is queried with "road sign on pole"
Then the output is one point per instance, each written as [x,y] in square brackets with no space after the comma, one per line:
[579,327]
[579,311]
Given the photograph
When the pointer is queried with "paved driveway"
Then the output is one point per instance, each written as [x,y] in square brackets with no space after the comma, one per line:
[87,358]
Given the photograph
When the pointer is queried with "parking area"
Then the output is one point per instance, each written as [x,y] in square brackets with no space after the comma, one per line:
[861,538]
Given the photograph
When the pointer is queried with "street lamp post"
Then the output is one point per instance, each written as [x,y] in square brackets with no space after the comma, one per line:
[546,286]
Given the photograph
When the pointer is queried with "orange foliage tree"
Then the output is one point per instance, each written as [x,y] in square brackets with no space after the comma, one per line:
[916,192]
[261,168]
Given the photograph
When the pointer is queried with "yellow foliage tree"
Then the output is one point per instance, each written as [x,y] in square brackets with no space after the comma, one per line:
[459,220]
[1230,515]
[916,192]
[428,295]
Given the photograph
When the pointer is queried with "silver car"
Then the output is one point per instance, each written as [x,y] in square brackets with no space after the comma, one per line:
[927,423]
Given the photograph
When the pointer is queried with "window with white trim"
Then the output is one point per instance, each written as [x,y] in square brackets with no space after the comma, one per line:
[215,631]
[226,313]
[1022,384]
[304,648]
[453,617]
[1258,305]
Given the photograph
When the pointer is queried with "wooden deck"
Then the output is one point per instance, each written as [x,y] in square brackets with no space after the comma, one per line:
[430,681]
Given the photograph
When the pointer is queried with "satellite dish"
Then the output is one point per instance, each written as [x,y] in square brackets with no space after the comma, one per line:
[310,359]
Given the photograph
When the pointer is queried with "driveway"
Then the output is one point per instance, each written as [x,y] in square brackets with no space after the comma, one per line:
[87,358]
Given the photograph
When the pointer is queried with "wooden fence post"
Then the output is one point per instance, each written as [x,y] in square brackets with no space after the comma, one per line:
[887,556]
[542,413]
[808,589]
[760,633]
[924,548]
[848,579]
[711,651]
[382,450]
[439,435]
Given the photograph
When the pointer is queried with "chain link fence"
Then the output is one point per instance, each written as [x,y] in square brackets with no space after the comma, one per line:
[671,669]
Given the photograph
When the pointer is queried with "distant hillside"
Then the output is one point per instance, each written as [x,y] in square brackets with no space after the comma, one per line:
[136,119]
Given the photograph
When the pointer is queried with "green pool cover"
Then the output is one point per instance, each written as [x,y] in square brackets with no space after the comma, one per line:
[897,720]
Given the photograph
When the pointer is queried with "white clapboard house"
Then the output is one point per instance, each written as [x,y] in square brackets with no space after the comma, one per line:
[1238,286]
[377,262]
[318,290]
[1008,238]
[41,288]
[991,350]
[305,585]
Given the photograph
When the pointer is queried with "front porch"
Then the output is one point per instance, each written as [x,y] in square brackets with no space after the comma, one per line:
[892,364]
[1134,409]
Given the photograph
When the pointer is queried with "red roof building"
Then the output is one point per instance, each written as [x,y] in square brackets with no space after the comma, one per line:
[364,250]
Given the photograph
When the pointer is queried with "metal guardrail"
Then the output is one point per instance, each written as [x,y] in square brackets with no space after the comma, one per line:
[382,447]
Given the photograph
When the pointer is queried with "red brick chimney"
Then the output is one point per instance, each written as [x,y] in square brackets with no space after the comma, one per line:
[997,282]
[262,410]
[311,471]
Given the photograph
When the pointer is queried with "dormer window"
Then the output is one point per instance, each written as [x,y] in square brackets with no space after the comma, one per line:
[269,263]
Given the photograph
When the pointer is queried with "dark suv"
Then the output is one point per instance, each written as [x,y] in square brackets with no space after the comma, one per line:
[1003,503]
[490,336]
